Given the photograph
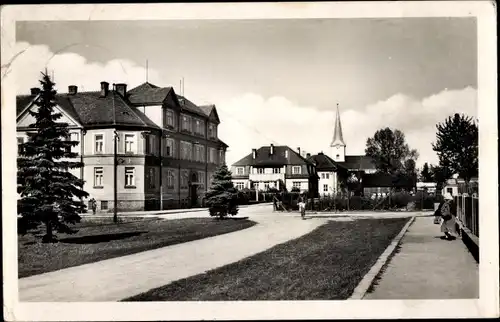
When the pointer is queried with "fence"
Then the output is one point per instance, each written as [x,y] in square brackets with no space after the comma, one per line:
[468,212]
[394,201]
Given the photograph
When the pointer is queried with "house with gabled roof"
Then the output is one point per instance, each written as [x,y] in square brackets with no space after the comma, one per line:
[167,147]
[275,167]
[330,173]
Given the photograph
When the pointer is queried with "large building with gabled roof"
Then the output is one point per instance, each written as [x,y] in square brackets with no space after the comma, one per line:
[275,167]
[167,147]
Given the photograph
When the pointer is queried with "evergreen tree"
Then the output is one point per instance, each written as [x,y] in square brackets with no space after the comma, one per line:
[222,197]
[50,194]
[425,174]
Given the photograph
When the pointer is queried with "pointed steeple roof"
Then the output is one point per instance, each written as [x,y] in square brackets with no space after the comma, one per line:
[338,138]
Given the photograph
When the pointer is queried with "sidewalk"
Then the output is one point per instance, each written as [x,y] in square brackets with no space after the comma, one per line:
[428,267]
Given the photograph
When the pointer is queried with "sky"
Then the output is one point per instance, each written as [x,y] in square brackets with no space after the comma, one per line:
[276,81]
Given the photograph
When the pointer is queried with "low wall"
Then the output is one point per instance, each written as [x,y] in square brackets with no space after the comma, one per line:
[470,241]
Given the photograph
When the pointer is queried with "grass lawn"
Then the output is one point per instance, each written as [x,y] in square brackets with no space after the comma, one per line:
[326,264]
[99,239]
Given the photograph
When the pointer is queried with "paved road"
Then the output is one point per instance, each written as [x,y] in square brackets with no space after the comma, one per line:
[429,268]
[117,278]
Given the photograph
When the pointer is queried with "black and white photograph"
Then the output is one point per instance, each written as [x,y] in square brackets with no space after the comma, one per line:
[302,160]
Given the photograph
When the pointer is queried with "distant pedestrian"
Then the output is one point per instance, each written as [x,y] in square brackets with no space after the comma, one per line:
[302,206]
[448,226]
[93,205]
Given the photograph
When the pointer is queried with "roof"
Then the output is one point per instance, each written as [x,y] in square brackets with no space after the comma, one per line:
[361,162]
[148,94]
[191,107]
[338,138]
[90,109]
[324,162]
[22,101]
[265,158]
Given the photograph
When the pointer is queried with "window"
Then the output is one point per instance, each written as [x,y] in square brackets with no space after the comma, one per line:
[197,127]
[104,205]
[75,137]
[240,170]
[186,123]
[170,118]
[212,131]
[450,191]
[152,178]
[184,179]
[201,178]
[212,155]
[296,184]
[327,175]
[129,177]
[20,140]
[98,177]
[170,148]
[266,185]
[276,170]
[221,157]
[129,143]
[186,150]
[296,170]
[198,153]
[240,185]
[202,153]
[99,143]
[325,188]
[260,170]
[170,179]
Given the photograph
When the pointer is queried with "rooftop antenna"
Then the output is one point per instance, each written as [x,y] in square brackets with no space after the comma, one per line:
[182,86]
[146,70]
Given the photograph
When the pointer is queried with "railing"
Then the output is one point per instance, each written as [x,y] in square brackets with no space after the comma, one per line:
[267,176]
[468,212]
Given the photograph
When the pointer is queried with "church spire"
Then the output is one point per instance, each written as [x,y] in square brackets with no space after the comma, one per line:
[338,138]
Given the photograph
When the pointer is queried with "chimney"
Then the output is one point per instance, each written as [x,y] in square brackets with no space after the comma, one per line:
[35,91]
[298,149]
[254,153]
[271,150]
[121,89]
[104,89]
[72,89]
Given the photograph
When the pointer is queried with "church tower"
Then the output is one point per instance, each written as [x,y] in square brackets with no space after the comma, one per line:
[337,146]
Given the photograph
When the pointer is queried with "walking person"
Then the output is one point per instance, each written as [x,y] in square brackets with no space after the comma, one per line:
[93,205]
[448,226]
[302,206]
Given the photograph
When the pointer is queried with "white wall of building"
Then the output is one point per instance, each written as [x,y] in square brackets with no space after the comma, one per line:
[328,179]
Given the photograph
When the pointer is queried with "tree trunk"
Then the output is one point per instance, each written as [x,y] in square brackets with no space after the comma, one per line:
[49,236]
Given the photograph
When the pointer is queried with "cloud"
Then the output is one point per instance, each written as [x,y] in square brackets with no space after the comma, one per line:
[73,69]
[250,121]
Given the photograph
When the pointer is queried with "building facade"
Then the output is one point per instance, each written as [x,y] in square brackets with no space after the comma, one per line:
[164,147]
[275,167]
[330,174]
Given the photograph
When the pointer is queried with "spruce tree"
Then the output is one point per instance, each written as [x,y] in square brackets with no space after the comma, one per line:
[222,197]
[49,193]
